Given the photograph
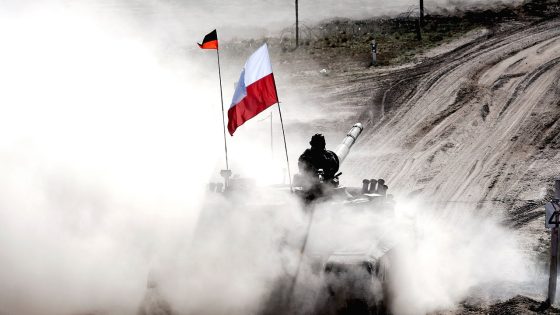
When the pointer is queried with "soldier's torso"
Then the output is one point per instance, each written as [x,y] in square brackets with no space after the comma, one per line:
[323,159]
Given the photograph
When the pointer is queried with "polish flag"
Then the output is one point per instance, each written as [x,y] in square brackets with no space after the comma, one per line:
[255,91]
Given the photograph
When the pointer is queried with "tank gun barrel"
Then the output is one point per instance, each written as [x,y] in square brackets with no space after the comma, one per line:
[344,148]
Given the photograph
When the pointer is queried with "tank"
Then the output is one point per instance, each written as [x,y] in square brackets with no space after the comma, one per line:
[353,279]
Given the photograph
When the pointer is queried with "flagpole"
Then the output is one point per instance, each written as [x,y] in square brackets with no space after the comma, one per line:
[271,139]
[284,136]
[222,99]
[285,145]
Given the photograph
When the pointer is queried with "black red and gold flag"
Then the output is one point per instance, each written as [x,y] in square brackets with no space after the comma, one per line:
[210,41]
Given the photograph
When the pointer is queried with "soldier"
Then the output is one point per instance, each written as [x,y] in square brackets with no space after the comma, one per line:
[316,158]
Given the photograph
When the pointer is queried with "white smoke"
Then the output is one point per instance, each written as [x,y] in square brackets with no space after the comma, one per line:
[450,255]
[101,141]
[438,257]
[245,256]
[108,139]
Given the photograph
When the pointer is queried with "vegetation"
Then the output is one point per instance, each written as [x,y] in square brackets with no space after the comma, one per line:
[398,38]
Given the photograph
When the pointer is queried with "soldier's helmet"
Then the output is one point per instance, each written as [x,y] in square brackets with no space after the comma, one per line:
[317,141]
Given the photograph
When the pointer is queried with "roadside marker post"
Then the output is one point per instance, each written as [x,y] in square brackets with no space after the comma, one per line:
[552,221]
[373,52]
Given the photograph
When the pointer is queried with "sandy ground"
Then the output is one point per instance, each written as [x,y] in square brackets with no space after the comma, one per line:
[474,124]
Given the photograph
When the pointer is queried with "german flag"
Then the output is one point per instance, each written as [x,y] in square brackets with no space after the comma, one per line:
[210,41]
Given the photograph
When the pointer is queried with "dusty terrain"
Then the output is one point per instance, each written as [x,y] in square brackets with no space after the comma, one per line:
[470,122]
[112,130]
[466,121]
[471,125]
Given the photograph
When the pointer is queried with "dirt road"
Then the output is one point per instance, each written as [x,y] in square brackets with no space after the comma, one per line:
[481,126]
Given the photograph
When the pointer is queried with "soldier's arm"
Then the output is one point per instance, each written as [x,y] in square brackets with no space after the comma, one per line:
[303,163]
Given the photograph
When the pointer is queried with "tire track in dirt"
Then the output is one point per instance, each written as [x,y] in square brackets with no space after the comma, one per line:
[528,80]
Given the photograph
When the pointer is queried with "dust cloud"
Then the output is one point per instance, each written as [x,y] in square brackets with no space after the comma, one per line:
[108,140]
[439,257]
[244,257]
[101,143]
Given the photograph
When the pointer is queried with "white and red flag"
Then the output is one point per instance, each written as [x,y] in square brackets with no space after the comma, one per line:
[255,91]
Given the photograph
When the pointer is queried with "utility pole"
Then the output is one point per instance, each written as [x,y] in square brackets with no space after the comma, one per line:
[297,25]
[421,13]
[420,21]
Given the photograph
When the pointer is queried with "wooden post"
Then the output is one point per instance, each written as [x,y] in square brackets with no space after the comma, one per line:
[553,251]
[420,21]
[297,25]
[373,52]
[418,31]
[553,266]
[421,13]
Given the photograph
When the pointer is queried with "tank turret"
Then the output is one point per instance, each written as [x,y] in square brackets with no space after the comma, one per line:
[321,183]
